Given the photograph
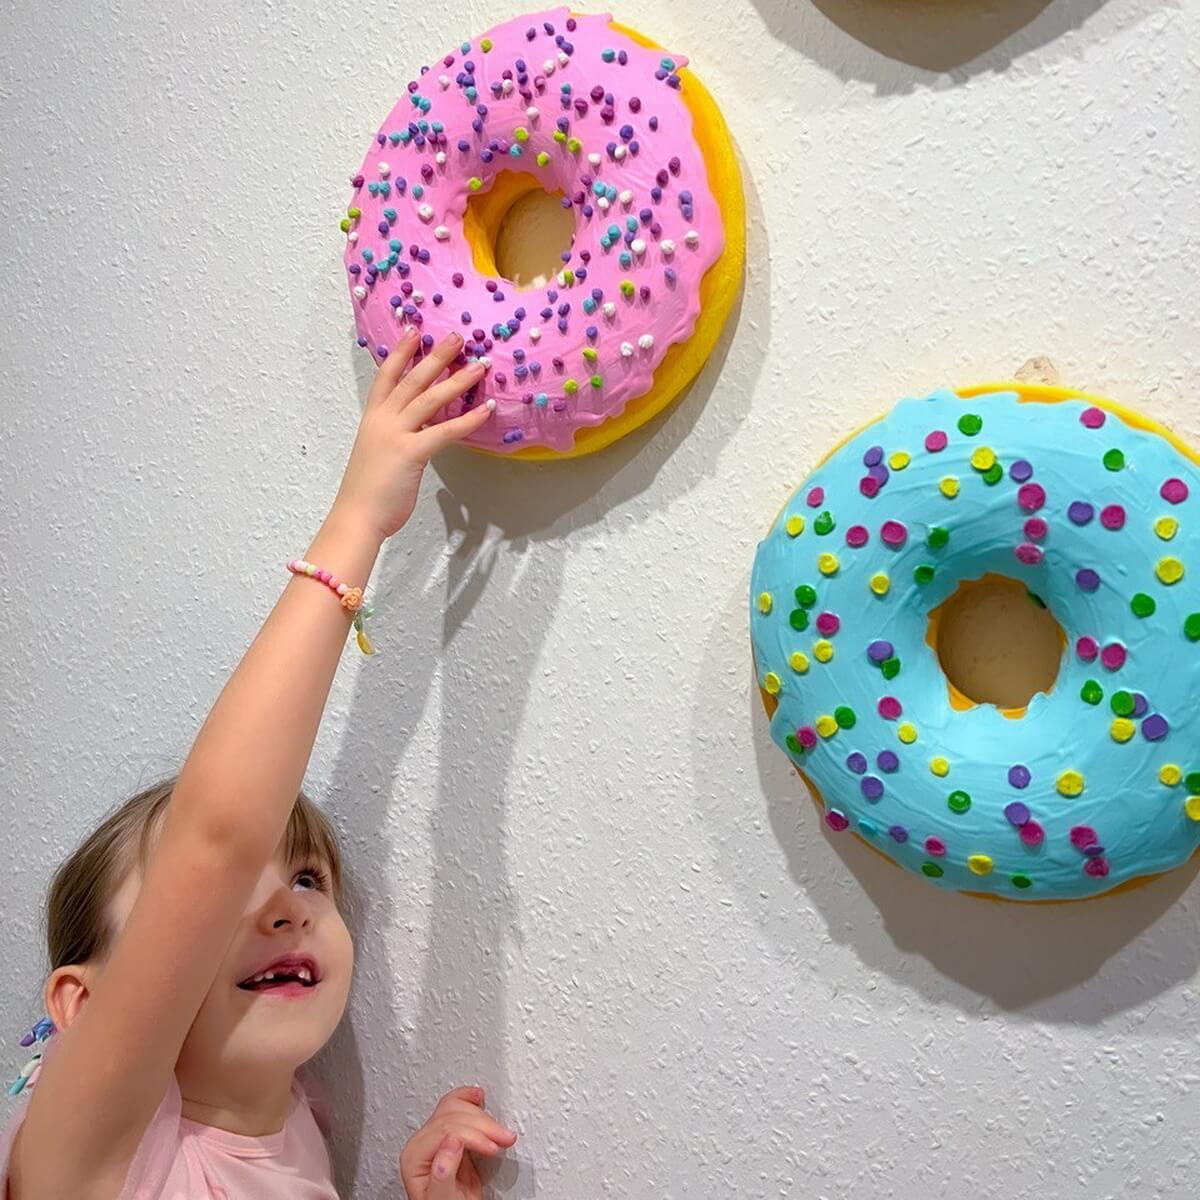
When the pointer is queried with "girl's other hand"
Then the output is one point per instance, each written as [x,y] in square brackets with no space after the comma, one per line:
[436,1163]
[381,480]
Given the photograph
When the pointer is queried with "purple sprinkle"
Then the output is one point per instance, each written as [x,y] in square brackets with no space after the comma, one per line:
[899,833]
[887,760]
[857,762]
[1140,705]
[1017,813]
[873,456]
[1019,776]
[877,652]
[1088,580]
[1094,851]
[1155,728]
[1080,512]
[872,787]
[1021,471]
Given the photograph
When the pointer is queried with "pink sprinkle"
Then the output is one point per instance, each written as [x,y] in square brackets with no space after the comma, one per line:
[1174,491]
[889,708]
[836,820]
[828,624]
[1087,648]
[935,847]
[857,536]
[1032,834]
[894,534]
[1031,496]
[816,497]
[806,735]
[1113,656]
[1093,418]
[869,486]
[1083,836]
[1097,867]
[1029,554]
[936,442]
[1036,529]
[1112,516]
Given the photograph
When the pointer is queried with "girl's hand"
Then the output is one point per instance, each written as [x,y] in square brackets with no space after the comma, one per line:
[436,1163]
[390,452]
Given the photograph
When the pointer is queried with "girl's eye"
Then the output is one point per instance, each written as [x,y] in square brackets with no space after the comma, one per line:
[311,879]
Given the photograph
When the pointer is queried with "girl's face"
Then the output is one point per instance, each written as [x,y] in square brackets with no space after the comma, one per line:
[281,989]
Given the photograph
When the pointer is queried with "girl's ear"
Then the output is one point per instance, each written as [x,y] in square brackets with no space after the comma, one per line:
[67,991]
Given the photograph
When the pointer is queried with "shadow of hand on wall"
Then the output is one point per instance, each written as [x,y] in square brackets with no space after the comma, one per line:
[959,36]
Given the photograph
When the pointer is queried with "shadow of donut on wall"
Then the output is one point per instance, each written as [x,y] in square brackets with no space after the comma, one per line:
[960,37]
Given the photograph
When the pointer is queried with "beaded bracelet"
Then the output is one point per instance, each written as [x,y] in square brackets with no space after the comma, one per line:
[351,598]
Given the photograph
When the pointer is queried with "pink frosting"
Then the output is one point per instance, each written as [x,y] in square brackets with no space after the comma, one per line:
[636,161]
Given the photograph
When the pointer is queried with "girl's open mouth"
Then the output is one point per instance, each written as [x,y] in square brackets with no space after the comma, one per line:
[292,975]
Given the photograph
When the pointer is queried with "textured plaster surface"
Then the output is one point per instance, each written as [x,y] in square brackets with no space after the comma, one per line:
[586,880]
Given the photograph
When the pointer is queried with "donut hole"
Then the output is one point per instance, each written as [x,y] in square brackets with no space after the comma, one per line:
[997,644]
[519,231]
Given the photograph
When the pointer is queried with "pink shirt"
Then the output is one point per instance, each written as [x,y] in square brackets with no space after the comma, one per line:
[179,1159]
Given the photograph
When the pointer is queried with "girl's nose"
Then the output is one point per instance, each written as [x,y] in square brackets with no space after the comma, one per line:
[283,910]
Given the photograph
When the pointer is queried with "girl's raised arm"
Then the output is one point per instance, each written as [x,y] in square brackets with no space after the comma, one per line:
[124,1020]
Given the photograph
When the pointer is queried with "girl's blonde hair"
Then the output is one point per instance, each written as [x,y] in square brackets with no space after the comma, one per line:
[78,928]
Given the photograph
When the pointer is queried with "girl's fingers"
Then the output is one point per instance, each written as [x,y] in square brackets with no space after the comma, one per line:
[446,433]
[444,1168]
[392,368]
[490,1128]
[426,371]
[472,1095]
[426,406]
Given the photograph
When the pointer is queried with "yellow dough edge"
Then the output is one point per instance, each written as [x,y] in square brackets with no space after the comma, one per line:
[718,289]
[1032,393]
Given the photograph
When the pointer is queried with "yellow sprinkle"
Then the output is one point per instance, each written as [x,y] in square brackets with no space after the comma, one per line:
[880,584]
[1171,774]
[1122,729]
[826,725]
[984,459]
[772,683]
[822,651]
[1192,807]
[940,766]
[827,564]
[794,526]
[1070,783]
[765,602]
[907,733]
[980,864]
[1169,570]
[798,662]
[1166,528]
[949,487]
[899,460]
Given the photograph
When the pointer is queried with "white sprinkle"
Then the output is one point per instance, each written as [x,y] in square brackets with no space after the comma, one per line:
[692,238]
[384,170]
[444,81]
[626,350]
[626,197]
[638,245]
[507,86]
[610,309]
[563,58]
[602,203]
[484,361]
[594,159]
[619,153]
[535,334]
[442,233]
[668,247]
[417,298]
[533,112]
[425,212]
[360,292]
[548,66]
[490,405]
[646,341]
[440,158]
[352,236]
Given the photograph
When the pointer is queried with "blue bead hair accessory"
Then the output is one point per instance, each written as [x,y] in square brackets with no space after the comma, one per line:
[36,1037]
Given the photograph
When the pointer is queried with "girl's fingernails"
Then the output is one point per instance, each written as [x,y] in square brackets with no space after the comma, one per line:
[410,332]
[491,404]
[456,339]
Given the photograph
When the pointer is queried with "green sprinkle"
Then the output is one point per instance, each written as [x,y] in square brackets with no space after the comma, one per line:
[597,381]
[1022,881]
[354,213]
[938,537]
[1091,692]
[559,136]
[574,145]
[474,183]
[570,387]
[1191,627]
[993,474]
[1191,781]
[627,288]
[958,802]
[1142,605]
[970,424]
[793,745]
[1122,703]
[806,595]
[589,353]
[844,716]
[521,133]
[485,45]
[345,224]
[799,620]
[932,870]
[890,667]
[543,158]
[1114,460]
[824,523]
[924,573]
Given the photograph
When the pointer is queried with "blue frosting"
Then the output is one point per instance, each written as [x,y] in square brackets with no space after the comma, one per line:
[1133,815]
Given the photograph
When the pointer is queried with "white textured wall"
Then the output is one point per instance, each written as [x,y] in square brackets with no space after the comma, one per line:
[590,883]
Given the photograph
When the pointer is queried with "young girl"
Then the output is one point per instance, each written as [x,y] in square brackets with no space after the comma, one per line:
[198,955]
